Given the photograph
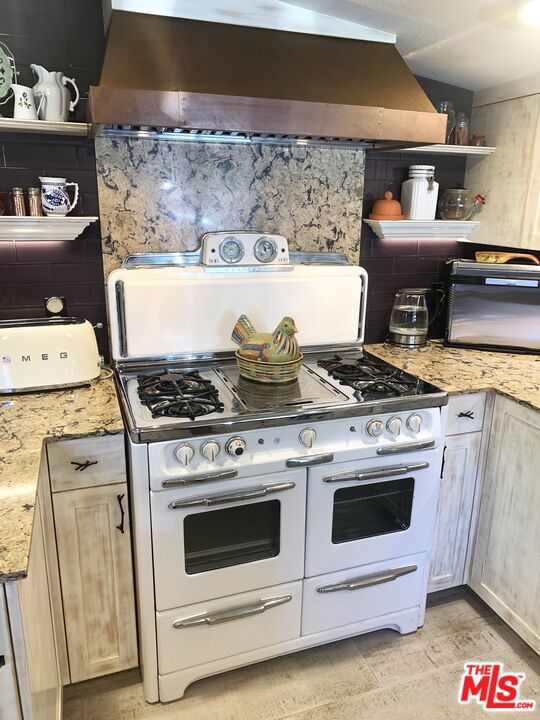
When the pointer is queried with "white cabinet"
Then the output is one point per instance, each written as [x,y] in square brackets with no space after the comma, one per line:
[511,176]
[457,490]
[94,552]
[506,566]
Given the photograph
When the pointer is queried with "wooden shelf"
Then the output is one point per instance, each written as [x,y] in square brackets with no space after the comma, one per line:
[470,150]
[42,229]
[43,127]
[396,229]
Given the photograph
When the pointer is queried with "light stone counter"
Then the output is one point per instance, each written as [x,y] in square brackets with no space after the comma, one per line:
[459,370]
[26,421]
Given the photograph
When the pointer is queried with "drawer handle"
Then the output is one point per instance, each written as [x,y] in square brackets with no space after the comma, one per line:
[80,466]
[236,613]
[310,460]
[366,581]
[468,414]
[233,497]
[122,513]
[409,447]
[376,474]
[208,477]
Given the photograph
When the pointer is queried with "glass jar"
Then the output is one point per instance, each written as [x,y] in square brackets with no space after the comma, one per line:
[447,108]
[18,206]
[462,129]
[457,204]
[34,202]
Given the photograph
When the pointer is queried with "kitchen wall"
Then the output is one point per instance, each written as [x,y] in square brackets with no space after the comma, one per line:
[162,196]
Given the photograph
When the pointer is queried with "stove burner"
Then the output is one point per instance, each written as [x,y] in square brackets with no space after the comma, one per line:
[178,394]
[371,380]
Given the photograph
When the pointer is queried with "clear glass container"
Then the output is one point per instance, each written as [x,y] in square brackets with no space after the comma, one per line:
[462,129]
[410,315]
[447,108]
[457,204]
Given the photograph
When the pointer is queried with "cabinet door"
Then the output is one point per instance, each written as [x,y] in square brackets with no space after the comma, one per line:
[454,511]
[505,175]
[94,551]
[531,222]
[506,559]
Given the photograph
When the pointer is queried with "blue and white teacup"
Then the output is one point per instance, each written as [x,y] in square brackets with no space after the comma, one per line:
[54,196]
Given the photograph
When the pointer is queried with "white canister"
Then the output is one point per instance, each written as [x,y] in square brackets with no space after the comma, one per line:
[419,193]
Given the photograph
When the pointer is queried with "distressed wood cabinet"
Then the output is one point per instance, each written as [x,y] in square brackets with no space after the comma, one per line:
[506,567]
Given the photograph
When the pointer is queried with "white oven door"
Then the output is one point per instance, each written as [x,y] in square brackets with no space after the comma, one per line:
[371,510]
[222,538]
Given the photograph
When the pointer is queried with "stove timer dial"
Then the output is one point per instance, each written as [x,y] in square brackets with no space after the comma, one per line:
[210,450]
[235,446]
[394,426]
[184,453]
[308,437]
[375,428]
[414,423]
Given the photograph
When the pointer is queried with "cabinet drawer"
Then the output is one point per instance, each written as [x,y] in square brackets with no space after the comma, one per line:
[465,413]
[235,624]
[87,462]
[361,593]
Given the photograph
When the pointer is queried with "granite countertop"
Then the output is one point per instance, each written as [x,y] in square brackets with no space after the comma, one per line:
[461,370]
[26,421]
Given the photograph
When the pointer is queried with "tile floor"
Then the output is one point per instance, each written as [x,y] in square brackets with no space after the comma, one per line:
[378,676]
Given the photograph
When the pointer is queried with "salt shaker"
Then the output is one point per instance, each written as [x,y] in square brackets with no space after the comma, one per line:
[17,201]
[34,202]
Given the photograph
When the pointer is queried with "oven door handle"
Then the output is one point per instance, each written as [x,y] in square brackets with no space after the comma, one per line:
[409,447]
[208,477]
[309,460]
[235,613]
[366,581]
[377,473]
[224,498]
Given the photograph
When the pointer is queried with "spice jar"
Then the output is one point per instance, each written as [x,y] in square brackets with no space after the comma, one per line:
[17,201]
[462,129]
[34,202]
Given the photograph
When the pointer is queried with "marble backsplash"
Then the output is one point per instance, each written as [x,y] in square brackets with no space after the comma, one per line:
[162,196]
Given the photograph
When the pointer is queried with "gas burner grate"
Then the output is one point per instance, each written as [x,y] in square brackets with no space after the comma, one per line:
[178,394]
[372,380]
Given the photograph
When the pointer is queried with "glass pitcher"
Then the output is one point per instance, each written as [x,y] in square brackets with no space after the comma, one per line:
[411,316]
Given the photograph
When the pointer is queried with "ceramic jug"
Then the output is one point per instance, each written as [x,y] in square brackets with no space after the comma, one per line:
[24,107]
[54,196]
[53,95]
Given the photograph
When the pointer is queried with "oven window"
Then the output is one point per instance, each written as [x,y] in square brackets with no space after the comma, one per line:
[364,511]
[231,536]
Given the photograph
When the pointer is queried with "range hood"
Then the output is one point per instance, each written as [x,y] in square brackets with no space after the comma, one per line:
[195,79]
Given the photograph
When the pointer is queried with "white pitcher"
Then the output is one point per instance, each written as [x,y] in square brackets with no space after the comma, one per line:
[24,107]
[54,196]
[55,98]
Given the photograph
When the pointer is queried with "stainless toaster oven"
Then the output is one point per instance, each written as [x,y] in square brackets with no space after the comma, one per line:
[493,307]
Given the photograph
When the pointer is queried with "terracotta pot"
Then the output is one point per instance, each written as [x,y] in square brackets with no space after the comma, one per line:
[386,209]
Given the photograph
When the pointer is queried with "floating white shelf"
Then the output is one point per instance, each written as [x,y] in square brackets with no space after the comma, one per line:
[29,229]
[395,229]
[472,150]
[43,126]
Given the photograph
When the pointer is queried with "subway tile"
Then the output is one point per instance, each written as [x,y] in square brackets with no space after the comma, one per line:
[391,283]
[26,274]
[7,253]
[377,266]
[39,48]
[398,247]
[439,246]
[416,264]
[42,157]
[34,295]
[86,56]
[50,252]
[16,313]
[73,273]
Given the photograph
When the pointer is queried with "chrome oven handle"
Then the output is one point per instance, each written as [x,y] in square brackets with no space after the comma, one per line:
[208,477]
[409,447]
[309,460]
[377,473]
[236,613]
[366,581]
[223,499]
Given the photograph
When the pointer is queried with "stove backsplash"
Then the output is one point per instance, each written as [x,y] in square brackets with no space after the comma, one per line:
[162,196]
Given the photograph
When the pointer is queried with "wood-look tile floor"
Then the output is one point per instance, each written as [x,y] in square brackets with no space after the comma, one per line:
[380,676]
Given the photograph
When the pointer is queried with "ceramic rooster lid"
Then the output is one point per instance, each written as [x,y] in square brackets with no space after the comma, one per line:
[386,209]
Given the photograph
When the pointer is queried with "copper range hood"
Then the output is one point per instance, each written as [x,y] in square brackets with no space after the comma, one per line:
[210,80]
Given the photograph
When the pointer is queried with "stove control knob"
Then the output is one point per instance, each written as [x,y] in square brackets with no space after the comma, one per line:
[184,453]
[308,437]
[235,446]
[375,428]
[414,423]
[210,450]
[394,426]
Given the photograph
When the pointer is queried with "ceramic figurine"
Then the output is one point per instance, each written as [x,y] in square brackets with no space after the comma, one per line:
[278,347]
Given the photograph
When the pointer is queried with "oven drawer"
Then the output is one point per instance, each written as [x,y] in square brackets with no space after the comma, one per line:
[465,413]
[361,593]
[208,631]
[231,538]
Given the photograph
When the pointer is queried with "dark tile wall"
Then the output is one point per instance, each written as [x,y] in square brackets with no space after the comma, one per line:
[32,271]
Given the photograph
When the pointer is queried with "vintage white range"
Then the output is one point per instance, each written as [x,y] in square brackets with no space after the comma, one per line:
[266,519]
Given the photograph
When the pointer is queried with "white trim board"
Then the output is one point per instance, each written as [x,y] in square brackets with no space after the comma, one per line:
[529,85]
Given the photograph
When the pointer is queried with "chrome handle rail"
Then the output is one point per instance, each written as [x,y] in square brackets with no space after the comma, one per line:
[377,473]
[236,613]
[366,581]
[224,498]
[191,479]
[310,460]
[409,447]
